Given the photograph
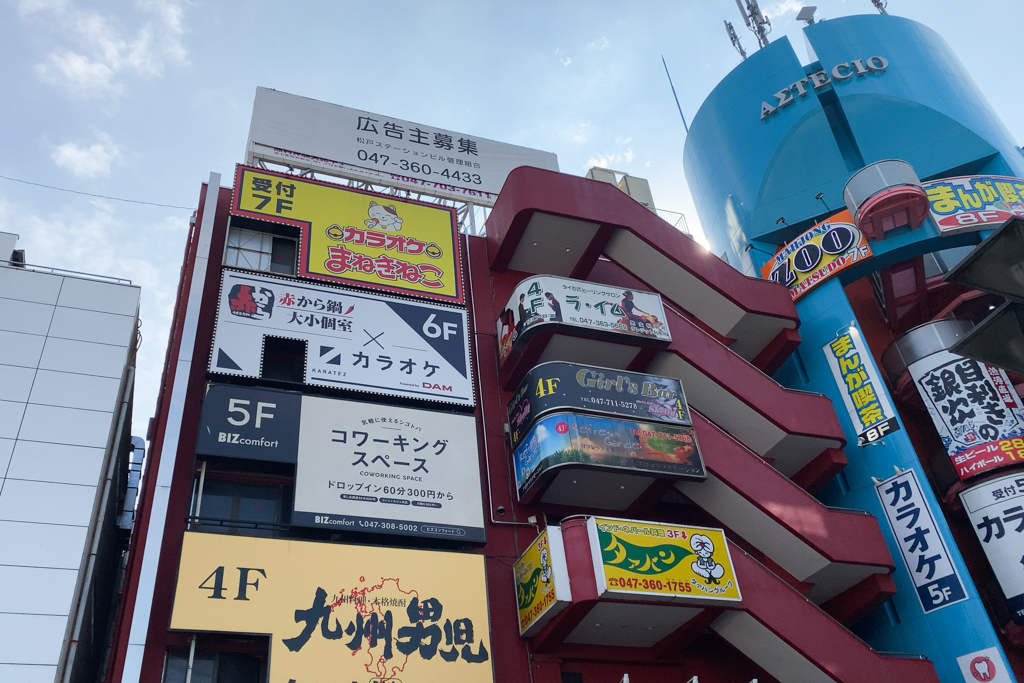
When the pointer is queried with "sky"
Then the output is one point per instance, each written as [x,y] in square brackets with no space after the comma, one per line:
[143,99]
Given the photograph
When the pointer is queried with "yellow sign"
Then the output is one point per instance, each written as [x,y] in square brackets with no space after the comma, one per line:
[542,581]
[359,238]
[339,612]
[664,561]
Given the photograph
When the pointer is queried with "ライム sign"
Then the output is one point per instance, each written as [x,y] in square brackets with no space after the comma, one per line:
[353,340]
[542,581]
[924,553]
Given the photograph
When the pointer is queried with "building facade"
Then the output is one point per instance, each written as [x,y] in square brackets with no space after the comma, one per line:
[67,364]
[387,449]
[859,180]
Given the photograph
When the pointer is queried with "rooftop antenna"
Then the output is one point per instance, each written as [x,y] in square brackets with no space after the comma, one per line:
[734,39]
[687,128]
[757,22]
[807,14]
[880,5]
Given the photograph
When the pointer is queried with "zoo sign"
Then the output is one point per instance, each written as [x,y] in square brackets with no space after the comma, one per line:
[359,238]
[826,249]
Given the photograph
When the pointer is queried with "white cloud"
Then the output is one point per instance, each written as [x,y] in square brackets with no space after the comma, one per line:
[603,160]
[92,161]
[562,57]
[105,54]
[577,133]
[783,7]
[628,154]
[600,44]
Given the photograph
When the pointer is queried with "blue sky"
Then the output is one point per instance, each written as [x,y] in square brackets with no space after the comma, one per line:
[143,99]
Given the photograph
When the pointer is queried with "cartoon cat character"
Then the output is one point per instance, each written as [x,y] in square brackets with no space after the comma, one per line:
[383,217]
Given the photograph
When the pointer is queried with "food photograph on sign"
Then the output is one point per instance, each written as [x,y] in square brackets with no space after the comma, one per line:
[340,612]
[354,340]
[360,238]
[546,299]
[385,469]
[559,385]
[573,440]
[823,251]
[969,203]
[662,561]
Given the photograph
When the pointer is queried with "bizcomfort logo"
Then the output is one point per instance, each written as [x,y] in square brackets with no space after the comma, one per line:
[228,437]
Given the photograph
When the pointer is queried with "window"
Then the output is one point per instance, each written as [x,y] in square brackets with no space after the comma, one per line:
[252,509]
[284,359]
[257,250]
[212,667]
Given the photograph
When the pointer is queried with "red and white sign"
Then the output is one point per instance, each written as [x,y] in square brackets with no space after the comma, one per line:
[985,665]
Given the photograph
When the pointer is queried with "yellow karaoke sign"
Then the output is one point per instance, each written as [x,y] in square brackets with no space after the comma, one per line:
[361,238]
[662,561]
[340,612]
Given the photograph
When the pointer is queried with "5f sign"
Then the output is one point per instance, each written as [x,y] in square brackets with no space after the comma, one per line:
[239,406]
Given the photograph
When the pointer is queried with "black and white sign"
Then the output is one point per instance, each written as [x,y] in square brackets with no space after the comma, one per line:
[924,553]
[289,129]
[354,340]
[996,511]
[256,424]
[385,469]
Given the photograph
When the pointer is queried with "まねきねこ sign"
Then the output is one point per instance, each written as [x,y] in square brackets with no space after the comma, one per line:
[340,612]
[661,562]
[359,238]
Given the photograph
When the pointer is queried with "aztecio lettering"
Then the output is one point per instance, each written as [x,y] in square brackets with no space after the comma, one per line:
[341,259]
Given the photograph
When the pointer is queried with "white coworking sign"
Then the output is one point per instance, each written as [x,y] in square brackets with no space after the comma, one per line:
[289,129]
[354,340]
[385,469]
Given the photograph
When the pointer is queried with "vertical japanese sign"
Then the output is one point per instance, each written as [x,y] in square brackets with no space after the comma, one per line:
[287,129]
[385,469]
[863,392]
[546,299]
[339,612]
[974,408]
[996,511]
[661,561]
[924,552]
[823,251]
[542,581]
[567,386]
[354,340]
[568,440]
[356,237]
[968,203]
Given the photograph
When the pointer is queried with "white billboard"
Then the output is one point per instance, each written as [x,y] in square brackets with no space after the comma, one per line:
[996,511]
[385,469]
[354,340]
[289,129]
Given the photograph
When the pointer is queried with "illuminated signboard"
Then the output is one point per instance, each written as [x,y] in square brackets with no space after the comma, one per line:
[353,340]
[542,581]
[299,131]
[864,394]
[359,238]
[823,251]
[563,440]
[975,409]
[558,385]
[978,202]
[340,612]
[995,511]
[549,300]
[386,469]
[661,562]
